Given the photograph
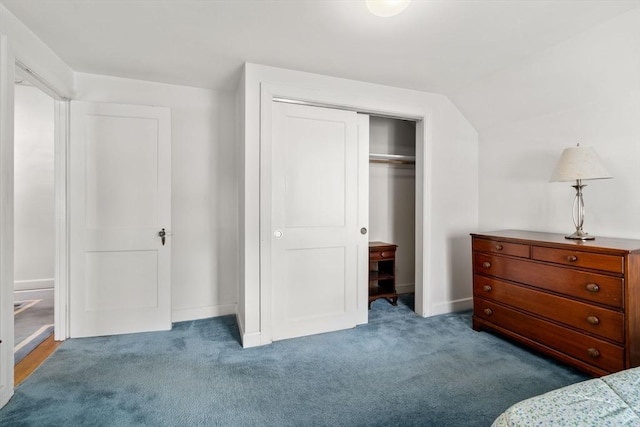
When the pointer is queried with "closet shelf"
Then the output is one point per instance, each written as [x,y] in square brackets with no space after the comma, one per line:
[392,159]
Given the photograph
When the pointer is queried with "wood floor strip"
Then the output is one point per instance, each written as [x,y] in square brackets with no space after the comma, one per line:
[31,361]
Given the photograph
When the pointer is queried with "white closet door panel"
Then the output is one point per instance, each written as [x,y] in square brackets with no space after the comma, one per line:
[304,276]
[317,249]
[315,176]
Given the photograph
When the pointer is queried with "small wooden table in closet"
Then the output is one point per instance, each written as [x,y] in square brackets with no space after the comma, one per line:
[382,272]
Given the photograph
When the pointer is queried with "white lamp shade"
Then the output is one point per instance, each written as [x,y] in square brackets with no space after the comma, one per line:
[579,163]
[387,8]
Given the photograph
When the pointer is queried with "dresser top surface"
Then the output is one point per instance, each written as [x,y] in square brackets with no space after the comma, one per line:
[558,240]
[379,245]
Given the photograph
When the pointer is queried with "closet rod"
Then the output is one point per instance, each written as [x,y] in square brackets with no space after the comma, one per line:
[392,159]
[346,108]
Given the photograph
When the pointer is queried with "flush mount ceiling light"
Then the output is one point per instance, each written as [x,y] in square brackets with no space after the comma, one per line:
[386,8]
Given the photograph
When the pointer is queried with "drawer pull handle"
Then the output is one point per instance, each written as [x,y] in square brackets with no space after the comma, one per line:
[488,311]
[572,258]
[486,264]
[486,288]
[499,247]
[593,353]
[593,320]
[592,287]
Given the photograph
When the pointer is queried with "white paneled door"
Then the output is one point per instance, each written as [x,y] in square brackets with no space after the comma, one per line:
[120,202]
[319,215]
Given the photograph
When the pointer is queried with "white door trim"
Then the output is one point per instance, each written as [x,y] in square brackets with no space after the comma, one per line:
[269,92]
[266,115]
[6,219]
[61,287]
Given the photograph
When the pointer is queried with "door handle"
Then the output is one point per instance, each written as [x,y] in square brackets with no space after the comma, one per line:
[162,235]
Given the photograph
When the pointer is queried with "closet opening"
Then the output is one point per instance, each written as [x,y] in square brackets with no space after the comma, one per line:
[390,146]
[392,215]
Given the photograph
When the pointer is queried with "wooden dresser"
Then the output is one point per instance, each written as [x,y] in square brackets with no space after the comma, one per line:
[576,301]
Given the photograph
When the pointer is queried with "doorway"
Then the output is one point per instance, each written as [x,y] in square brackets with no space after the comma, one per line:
[39,137]
[34,217]
[10,69]
[392,204]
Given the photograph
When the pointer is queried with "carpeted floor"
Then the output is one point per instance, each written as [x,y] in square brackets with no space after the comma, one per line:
[399,370]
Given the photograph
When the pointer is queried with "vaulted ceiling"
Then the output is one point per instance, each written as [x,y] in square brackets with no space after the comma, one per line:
[435,45]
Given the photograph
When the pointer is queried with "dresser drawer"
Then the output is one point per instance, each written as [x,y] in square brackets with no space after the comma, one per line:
[606,323]
[612,263]
[591,350]
[505,248]
[588,286]
[382,255]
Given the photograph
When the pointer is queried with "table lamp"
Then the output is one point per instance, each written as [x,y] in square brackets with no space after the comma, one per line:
[579,164]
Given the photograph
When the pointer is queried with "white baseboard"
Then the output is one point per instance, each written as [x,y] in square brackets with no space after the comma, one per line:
[452,306]
[186,314]
[251,340]
[407,288]
[248,340]
[28,285]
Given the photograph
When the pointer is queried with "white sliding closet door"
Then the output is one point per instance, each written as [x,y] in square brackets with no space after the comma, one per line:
[319,200]
[120,199]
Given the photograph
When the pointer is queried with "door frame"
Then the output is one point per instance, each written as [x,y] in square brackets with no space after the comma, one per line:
[270,93]
[7,82]
[9,66]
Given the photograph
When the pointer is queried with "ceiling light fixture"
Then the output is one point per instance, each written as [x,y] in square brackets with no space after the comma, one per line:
[387,8]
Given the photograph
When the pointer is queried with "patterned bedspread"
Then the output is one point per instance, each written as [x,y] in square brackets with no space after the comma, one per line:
[613,400]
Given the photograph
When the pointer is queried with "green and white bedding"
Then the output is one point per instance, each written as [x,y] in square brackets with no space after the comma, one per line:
[613,400]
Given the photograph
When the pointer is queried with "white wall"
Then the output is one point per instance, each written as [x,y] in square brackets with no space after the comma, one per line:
[392,194]
[204,188]
[34,226]
[585,89]
[450,168]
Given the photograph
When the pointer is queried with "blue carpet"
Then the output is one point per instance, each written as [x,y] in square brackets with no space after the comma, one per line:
[399,370]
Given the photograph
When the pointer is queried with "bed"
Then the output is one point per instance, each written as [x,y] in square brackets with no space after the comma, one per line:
[613,400]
